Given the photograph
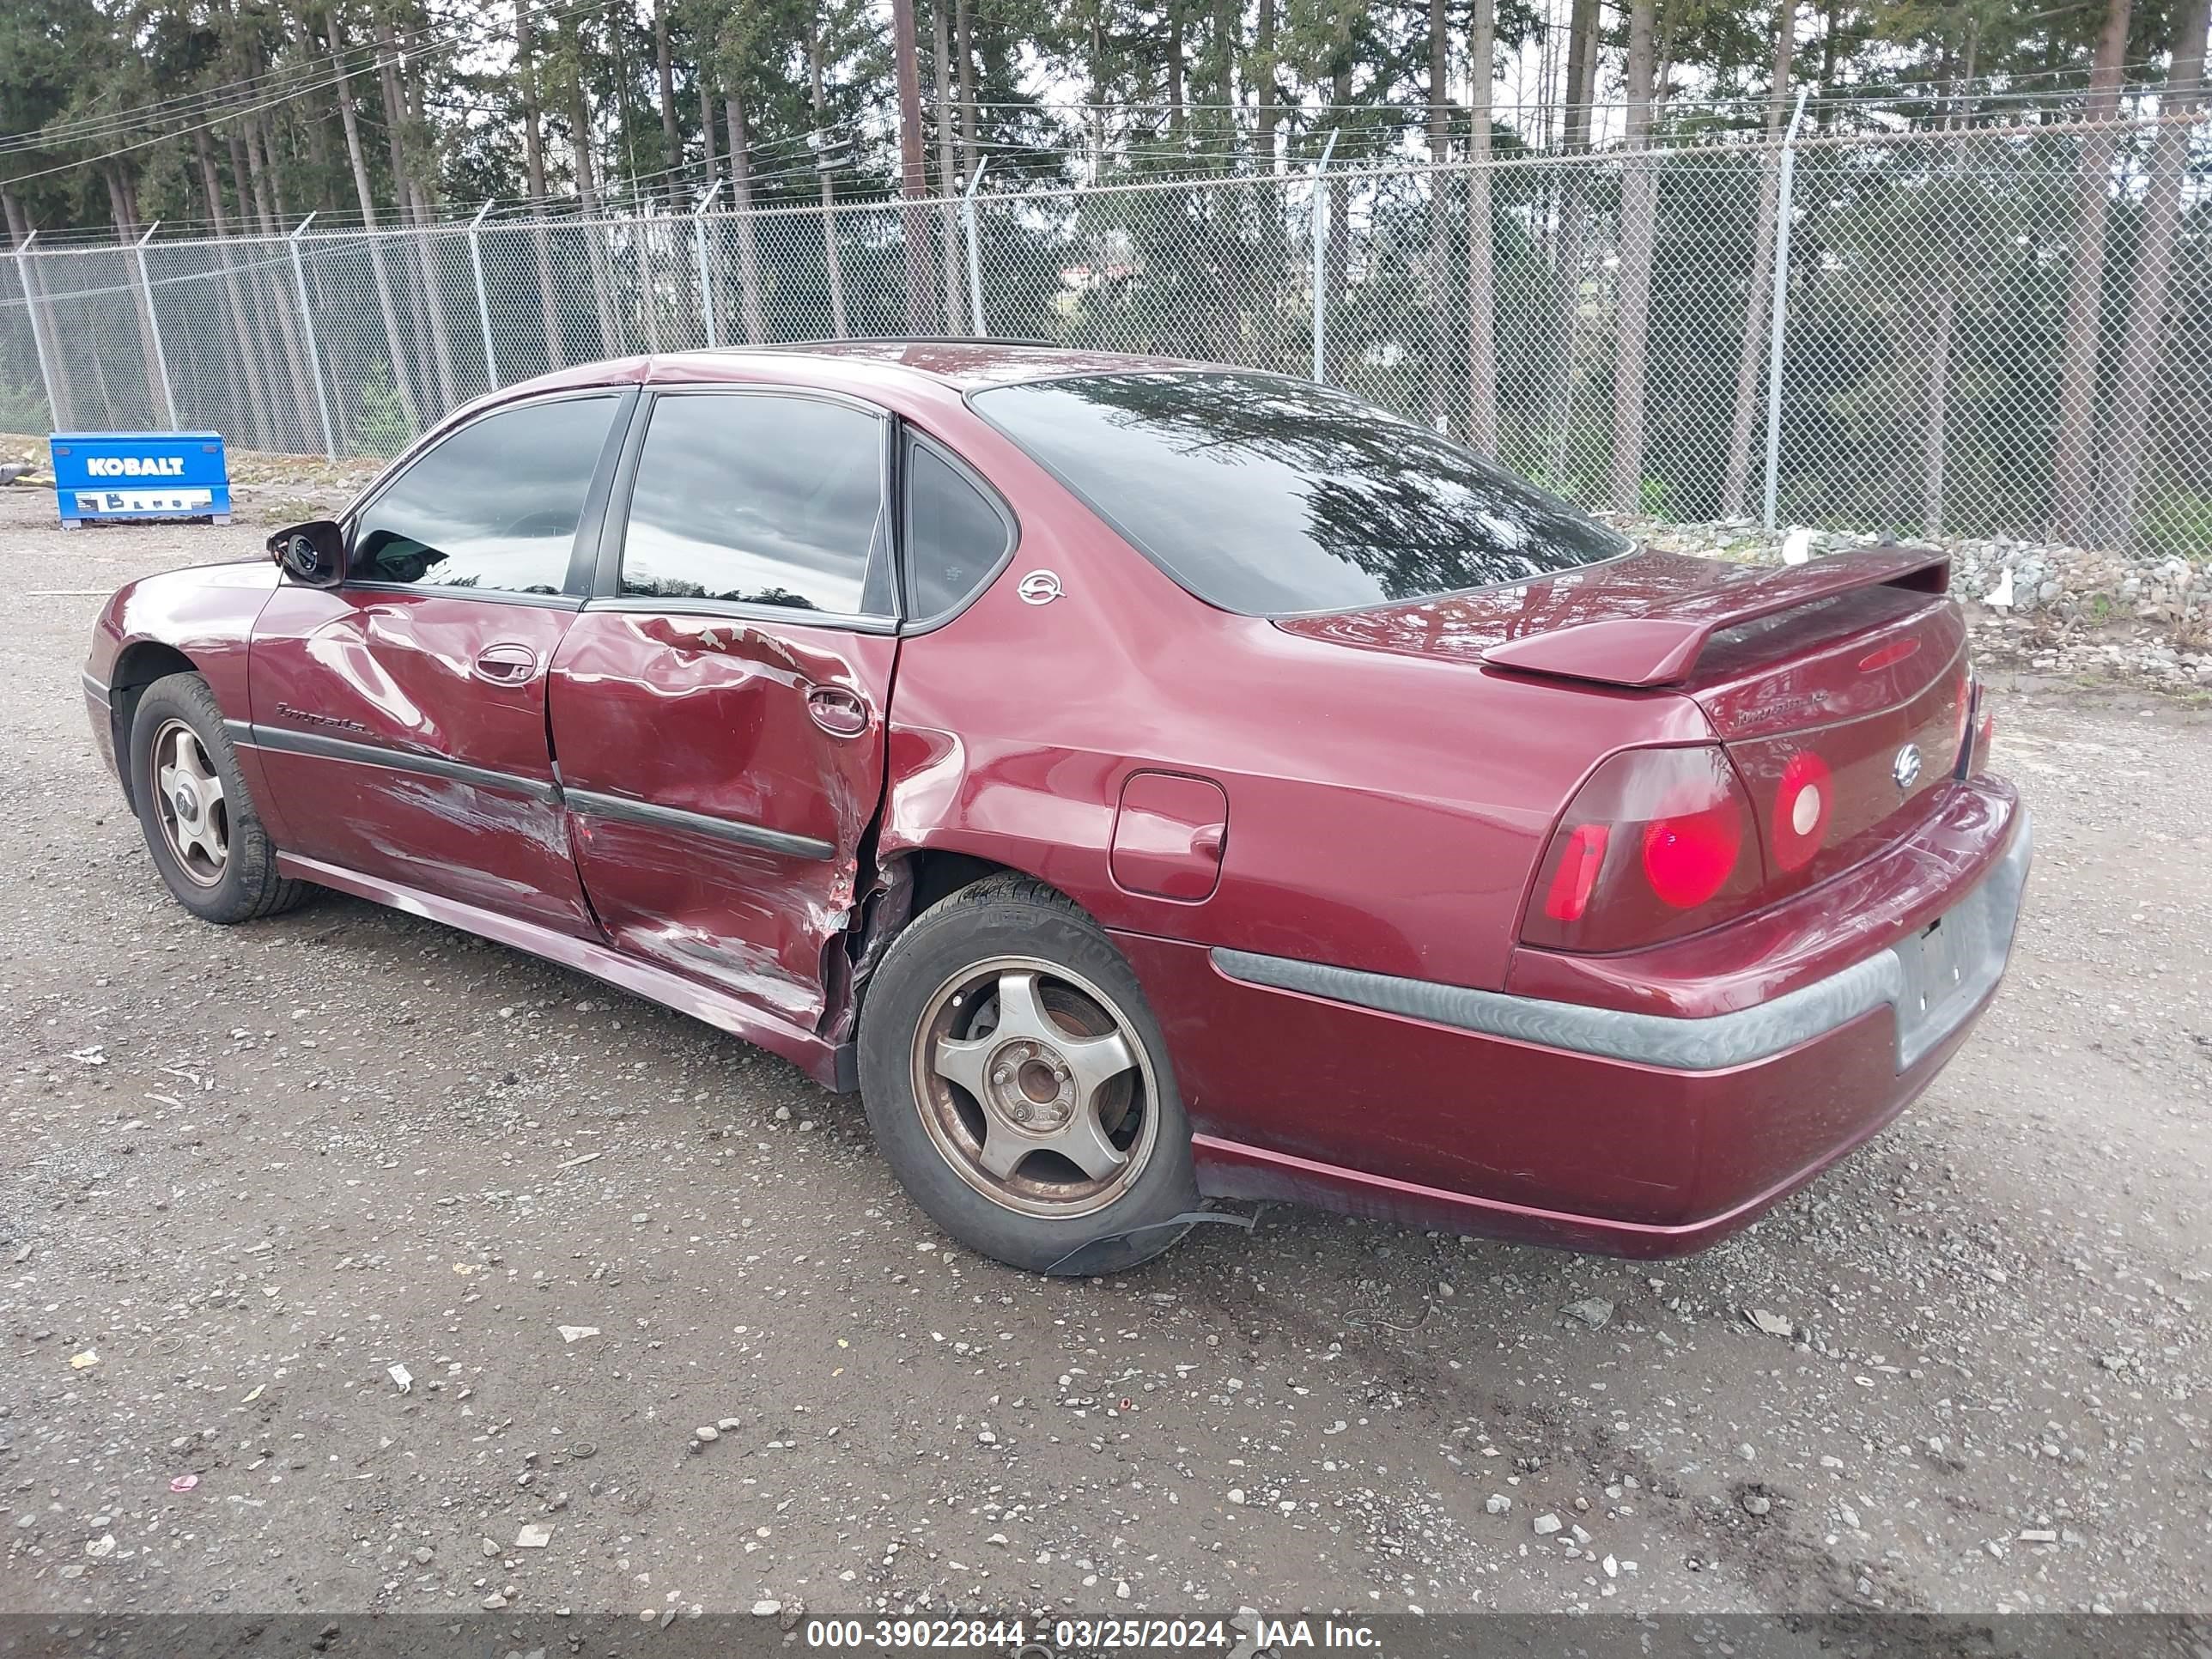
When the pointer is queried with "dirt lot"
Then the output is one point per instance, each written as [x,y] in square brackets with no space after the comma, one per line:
[251,1170]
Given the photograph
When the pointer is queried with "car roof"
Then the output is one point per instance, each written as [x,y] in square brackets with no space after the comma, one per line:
[967,365]
[900,372]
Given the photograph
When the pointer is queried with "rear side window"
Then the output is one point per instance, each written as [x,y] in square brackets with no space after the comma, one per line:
[756,500]
[1273,496]
[494,507]
[955,537]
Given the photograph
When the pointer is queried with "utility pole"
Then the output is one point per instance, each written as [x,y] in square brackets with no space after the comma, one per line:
[913,180]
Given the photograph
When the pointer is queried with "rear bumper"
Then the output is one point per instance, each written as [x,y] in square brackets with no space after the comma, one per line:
[1897,977]
[1597,1128]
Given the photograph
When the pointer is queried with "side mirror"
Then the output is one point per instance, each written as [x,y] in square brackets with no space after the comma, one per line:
[311,554]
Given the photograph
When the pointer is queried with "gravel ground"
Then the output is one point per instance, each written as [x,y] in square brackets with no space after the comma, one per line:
[250,1172]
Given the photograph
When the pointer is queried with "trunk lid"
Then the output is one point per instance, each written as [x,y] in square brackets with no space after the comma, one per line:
[1864,697]
[1847,675]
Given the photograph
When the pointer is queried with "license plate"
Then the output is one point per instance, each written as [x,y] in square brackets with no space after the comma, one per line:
[1947,967]
[1946,951]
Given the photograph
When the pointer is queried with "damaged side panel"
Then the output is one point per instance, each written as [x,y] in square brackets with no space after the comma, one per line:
[721,776]
[387,753]
[884,908]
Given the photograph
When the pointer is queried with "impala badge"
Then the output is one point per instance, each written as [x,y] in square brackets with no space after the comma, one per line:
[1039,587]
[1906,768]
[285,711]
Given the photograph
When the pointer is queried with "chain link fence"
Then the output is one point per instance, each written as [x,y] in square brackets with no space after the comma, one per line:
[1610,326]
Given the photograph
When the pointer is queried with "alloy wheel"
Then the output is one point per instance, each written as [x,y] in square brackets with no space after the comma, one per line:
[189,800]
[1035,1087]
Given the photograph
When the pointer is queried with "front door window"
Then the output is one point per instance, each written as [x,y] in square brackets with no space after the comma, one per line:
[492,508]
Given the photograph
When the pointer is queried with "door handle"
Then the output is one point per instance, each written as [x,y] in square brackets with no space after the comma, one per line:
[507,664]
[837,711]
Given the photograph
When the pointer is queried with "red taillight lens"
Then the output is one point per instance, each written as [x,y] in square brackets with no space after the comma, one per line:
[1578,872]
[1688,858]
[1676,822]
[1973,739]
[1803,805]
[1888,656]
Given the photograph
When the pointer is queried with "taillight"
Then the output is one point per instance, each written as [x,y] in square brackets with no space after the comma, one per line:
[1657,843]
[1802,804]
[1578,872]
[1969,695]
[1688,858]
[1973,738]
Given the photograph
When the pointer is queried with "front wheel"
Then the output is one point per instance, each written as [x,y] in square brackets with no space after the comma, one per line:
[199,823]
[1018,1086]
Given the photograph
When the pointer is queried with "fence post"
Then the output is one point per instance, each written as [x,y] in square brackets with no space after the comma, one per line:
[154,328]
[1774,311]
[699,247]
[975,258]
[483,307]
[38,335]
[1320,261]
[308,327]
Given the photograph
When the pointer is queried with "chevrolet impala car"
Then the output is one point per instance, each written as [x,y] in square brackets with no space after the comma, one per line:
[1144,781]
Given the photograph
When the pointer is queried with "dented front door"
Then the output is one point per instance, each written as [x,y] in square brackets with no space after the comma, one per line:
[403,735]
[720,774]
[401,717]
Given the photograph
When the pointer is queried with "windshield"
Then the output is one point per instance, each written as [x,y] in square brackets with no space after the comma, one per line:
[1273,496]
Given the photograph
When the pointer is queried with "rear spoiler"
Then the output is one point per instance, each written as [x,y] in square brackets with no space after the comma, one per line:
[1662,646]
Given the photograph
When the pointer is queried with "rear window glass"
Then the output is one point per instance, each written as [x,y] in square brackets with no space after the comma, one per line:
[1273,496]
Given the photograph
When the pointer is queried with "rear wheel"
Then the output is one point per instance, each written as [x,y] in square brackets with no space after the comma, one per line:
[199,823]
[1017,1084]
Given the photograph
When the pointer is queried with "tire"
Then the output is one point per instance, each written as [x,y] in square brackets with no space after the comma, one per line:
[965,984]
[176,732]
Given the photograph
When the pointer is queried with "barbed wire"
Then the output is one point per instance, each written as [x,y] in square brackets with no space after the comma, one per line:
[789,157]
[1162,168]
[1999,85]
[302,79]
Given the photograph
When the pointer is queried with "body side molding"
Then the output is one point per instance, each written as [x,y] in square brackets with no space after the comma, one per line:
[285,741]
[1689,1045]
[736,831]
[1892,977]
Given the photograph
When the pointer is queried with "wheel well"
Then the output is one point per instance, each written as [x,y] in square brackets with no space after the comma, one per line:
[138,666]
[940,875]
[907,884]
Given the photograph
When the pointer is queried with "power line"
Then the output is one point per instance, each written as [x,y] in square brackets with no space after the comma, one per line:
[411,44]
[1385,119]
[873,194]
[1867,92]
[429,39]
[163,137]
[303,78]
[107,122]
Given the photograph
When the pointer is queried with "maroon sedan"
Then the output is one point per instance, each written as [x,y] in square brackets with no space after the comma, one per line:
[1144,781]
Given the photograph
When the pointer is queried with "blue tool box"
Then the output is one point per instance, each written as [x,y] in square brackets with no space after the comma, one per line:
[140,475]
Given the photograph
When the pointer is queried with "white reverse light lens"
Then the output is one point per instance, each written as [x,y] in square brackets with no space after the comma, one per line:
[1805,811]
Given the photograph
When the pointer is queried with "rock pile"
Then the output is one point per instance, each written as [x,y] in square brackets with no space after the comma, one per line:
[2048,607]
